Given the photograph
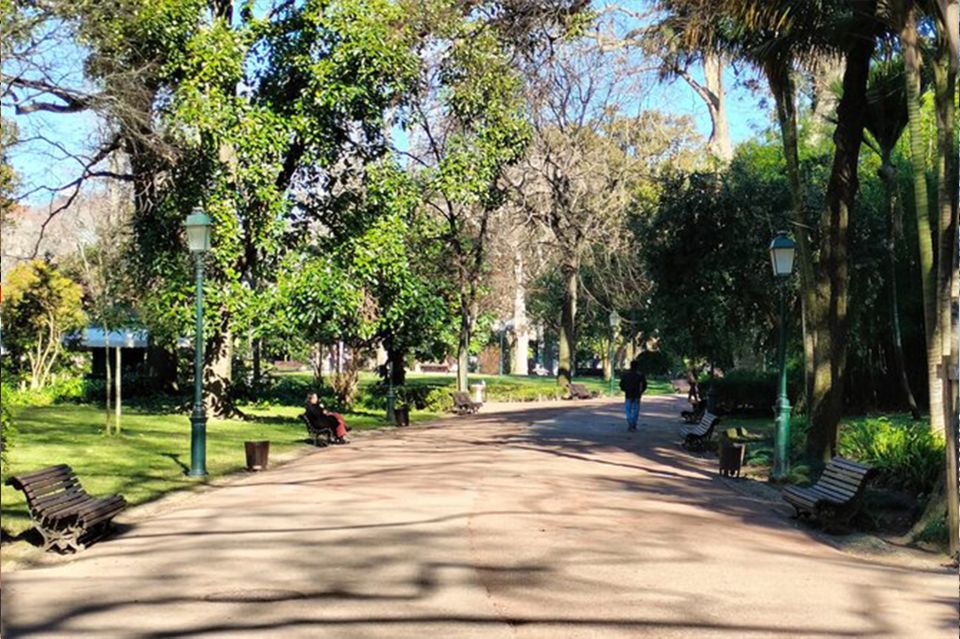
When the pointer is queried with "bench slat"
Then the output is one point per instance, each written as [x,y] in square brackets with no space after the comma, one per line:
[40,484]
[850,465]
[101,510]
[838,488]
[67,508]
[55,499]
[38,474]
[831,495]
[833,471]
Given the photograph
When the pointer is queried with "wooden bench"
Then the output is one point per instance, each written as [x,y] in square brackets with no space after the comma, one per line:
[695,414]
[696,435]
[315,432]
[66,516]
[579,391]
[837,495]
[463,405]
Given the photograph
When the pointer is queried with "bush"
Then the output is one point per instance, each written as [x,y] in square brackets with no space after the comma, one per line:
[506,391]
[744,391]
[906,455]
[429,397]
[437,400]
[8,435]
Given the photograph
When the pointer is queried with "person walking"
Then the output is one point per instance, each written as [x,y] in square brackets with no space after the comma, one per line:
[633,383]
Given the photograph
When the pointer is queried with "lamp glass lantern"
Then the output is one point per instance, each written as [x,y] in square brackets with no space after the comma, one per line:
[198,231]
[782,251]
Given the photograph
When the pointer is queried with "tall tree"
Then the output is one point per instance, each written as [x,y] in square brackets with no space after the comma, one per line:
[776,36]
[467,124]
[578,180]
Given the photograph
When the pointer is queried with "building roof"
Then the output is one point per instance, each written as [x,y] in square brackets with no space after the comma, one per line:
[92,337]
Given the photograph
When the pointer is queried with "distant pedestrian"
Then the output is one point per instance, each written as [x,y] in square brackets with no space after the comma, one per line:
[633,384]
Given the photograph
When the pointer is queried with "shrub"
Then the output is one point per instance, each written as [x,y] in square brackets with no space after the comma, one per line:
[744,391]
[7,435]
[906,455]
[437,400]
[430,397]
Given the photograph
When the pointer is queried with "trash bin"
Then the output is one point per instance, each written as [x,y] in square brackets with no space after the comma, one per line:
[731,457]
[257,454]
[477,391]
[402,416]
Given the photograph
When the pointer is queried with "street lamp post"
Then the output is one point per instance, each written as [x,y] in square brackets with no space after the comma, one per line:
[782,250]
[198,240]
[614,323]
[391,395]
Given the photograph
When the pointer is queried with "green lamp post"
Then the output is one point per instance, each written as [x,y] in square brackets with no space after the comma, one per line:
[198,240]
[782,250]
[391,394]
[614,324]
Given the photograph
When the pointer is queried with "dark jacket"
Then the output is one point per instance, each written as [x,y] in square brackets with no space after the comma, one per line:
[319,417]
[633,384]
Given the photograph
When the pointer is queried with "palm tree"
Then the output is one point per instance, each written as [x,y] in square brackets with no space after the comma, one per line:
[776,36]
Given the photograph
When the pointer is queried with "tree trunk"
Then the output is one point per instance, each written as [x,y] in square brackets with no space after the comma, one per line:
[831,321]
[521,329]
[912,65]
[218,374]
[568,317]
[108,389]
[397,357]
[257,345]
[463,346]
[117,396]
[719,144]
[945,87]
[606,361]
[889,178]
[828,72]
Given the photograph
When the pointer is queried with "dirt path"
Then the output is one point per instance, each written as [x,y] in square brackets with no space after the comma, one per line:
[531,522]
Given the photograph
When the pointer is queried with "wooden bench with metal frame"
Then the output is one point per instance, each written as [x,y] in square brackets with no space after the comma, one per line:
[463,405]
[695,436]
[65,515]
[837,495]
[315,432]
[579,391]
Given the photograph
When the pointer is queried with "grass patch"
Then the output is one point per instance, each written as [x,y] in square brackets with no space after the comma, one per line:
[149,458]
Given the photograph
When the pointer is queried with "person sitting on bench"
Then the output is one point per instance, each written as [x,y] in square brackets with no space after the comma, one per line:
[319,417]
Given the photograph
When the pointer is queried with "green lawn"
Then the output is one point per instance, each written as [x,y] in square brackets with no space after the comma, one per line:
[502,387]
[148,460]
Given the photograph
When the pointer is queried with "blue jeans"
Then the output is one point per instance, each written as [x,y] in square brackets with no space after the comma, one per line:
[632,408]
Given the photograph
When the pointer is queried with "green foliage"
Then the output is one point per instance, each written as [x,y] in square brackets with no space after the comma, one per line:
[744,390]
[8,434]
[906,454]
[40,305]
[655,363]
[704,245]
[147,460]
[937,531]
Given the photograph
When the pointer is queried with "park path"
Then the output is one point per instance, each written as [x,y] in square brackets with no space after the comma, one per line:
[527,522]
